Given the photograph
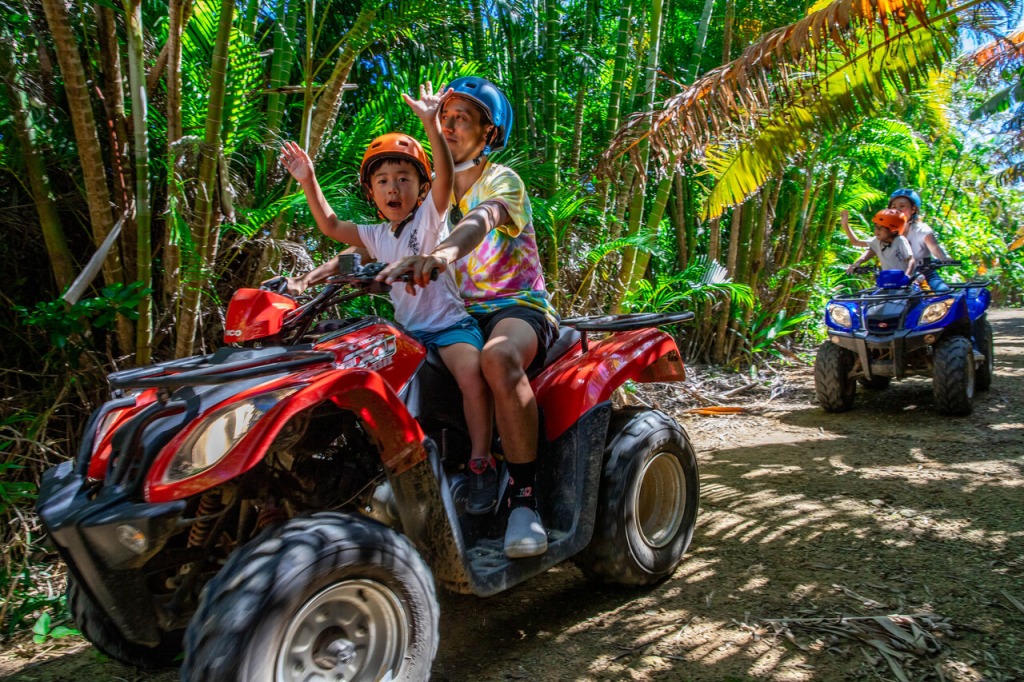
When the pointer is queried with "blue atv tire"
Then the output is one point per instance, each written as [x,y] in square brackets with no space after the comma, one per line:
[833,385]
[985,343]
[953,377]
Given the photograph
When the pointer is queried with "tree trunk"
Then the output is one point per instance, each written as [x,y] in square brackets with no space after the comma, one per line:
[730,15]
[117,121]
[476,12]
[178,12]
[280,74]
[619,70]
[630,257]
[330,97]
[206,231]
[583,92]
[140,118]
[698,45]
[552,34]
[97,194]
[517,77]
[42,195]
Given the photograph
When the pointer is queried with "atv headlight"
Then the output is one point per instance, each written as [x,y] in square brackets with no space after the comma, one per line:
[840,315]
[212,441]
[936,311]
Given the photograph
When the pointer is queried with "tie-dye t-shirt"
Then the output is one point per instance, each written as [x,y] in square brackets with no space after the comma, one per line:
[505,269]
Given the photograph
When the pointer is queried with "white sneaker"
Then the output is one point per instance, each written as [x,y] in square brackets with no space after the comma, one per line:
[525,534]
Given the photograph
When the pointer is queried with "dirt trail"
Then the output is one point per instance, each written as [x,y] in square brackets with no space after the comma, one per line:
[805,517]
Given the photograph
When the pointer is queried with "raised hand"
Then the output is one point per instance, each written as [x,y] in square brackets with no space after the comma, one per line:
[429,104]
[297,161]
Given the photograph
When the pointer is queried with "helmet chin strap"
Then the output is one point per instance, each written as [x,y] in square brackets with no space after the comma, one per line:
[466,165]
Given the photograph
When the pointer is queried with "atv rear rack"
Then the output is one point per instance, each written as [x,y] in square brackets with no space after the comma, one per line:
[623,323]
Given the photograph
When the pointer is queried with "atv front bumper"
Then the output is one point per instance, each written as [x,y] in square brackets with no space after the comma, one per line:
[106,539]
[899,344]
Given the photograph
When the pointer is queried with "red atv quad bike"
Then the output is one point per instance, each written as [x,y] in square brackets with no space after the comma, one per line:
[282,509]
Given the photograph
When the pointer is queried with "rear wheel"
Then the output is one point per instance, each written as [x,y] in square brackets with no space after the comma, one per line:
[875,383]
[953,378]
[647,506]
[104,635]
[327,596]
[984,340]
[832,383]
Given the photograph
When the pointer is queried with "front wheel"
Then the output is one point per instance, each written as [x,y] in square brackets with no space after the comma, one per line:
[327,596]
[832,383]
[647,507]
[953,377]
[983,339]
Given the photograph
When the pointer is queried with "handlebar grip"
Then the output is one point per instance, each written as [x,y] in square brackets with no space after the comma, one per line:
[407,276]
[277,285]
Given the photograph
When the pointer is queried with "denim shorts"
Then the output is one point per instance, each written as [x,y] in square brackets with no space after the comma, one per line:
[466,331]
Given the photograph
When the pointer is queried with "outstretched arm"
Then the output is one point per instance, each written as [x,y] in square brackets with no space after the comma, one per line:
[297,285]
[844,218]
[911,266]
[934,247]
[427,108]
[468,234]
[865,257]
[298,163]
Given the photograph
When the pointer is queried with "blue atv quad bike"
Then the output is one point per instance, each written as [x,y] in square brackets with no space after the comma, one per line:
[896,329]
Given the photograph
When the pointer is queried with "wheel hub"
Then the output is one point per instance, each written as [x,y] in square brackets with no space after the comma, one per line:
[660,499]
[351,630]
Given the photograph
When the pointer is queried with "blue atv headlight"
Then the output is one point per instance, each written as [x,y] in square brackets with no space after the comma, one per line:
[840,315]
[936,311]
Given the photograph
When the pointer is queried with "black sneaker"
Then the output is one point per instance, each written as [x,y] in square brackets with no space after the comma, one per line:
[483,487]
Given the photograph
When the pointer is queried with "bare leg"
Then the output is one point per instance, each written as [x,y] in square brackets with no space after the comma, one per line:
[504,360]
[463,361]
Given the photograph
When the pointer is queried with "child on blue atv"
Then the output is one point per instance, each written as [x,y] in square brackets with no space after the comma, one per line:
[889,245]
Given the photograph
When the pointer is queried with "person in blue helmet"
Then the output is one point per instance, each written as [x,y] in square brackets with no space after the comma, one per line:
[493,249]
[921,237]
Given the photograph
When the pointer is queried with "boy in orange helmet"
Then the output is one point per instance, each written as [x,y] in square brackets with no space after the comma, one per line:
[395,174]
[889,245]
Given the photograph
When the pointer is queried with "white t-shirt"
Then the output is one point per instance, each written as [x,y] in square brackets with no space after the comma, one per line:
[916,233]
[437,306]
[893,256]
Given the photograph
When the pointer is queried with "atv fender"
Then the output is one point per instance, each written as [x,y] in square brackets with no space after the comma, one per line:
[363,392]
[578,381]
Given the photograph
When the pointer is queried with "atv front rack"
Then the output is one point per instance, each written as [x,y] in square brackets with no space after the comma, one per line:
[623,323]
[900,295]
[227,364]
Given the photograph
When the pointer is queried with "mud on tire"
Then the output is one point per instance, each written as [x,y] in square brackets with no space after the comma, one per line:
[104,635]
[953,376]
[647,506]
[326,596]
[832,383]
[986,344]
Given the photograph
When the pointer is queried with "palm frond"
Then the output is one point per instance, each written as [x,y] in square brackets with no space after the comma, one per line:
[818,74]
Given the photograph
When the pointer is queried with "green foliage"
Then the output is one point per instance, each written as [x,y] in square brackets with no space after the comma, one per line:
[62,322]
[44,629]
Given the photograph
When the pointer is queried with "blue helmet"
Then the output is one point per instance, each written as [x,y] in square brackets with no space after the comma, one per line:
[492,100]
[909,194]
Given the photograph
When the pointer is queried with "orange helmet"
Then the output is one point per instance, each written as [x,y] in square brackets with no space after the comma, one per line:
[891,219]
[397,146]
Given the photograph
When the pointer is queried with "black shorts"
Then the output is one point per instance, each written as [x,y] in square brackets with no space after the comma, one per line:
[546,332]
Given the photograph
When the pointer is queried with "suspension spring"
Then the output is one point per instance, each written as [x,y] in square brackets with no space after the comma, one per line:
[209,506]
